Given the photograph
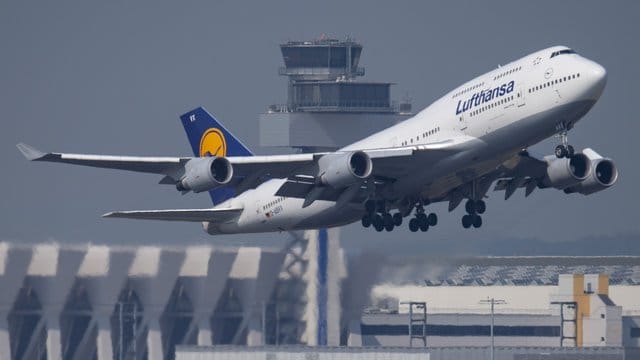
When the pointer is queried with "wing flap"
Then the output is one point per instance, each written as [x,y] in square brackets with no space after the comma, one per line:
[197,215]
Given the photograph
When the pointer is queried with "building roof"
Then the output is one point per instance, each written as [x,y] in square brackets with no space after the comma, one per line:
[517,271]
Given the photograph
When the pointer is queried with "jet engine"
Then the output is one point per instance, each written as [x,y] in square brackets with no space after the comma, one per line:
[345,169]
[566,172]
[203,174]
[603,175]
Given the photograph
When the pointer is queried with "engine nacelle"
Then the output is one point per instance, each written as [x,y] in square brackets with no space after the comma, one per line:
[566,172]
[603,175]
[342,170]
[207,173]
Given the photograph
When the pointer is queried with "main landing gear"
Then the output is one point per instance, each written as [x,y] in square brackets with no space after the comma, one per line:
[379,218]
[422,221]
[474,209]
[564,150]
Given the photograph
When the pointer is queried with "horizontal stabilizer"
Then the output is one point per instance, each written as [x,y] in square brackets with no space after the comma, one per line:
[213,215]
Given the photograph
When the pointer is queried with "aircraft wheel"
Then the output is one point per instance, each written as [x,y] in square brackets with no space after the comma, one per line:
[397,219]
[422,219]
[481,207]
[561,151]
[432,219]
[377,222]
[366,220]
[570,151]
[470,206]
[387,218]
[466,221]
[414,225]
[477,221]
[389,227]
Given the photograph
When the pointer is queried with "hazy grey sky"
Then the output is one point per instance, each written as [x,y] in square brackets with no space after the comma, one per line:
[113,77]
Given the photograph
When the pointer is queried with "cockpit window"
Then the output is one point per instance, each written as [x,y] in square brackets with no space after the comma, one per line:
[562,52]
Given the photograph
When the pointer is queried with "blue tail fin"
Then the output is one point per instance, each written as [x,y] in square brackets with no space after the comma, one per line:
[208,137]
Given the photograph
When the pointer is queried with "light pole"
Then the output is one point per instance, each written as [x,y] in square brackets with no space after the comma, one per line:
[493,303]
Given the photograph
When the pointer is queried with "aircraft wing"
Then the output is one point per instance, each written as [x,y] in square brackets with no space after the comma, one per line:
[248,168]
[156,165]
[214,215]
[250,171]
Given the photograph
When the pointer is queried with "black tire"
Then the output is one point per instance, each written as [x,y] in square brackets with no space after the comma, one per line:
[477,221]
[560,151]
[481,207]
[414,225]
[432,219]
[370,206]
[470,207]
[377,221]
[466,221]
[397,219]
[422,219]
[379,227]
[570,151]
[388,219]
[366,220]
[389,227]
[424,226]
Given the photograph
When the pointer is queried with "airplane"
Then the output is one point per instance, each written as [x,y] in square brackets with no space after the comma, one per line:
[454,149]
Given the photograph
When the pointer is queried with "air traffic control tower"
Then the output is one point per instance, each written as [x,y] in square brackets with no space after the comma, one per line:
[327,107]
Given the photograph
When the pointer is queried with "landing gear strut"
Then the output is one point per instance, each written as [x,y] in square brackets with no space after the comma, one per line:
[564,150]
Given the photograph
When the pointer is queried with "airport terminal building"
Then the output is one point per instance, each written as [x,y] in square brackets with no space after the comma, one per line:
[101,302]
[538,301]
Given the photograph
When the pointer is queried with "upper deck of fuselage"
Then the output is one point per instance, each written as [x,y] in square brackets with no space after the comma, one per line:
[504,71]
[527,69]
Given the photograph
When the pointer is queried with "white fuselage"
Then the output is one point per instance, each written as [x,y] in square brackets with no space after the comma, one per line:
[502,112]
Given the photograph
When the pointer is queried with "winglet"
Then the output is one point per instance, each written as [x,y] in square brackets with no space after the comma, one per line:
[30,152]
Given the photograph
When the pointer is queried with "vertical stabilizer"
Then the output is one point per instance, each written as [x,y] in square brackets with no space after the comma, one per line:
[208,137]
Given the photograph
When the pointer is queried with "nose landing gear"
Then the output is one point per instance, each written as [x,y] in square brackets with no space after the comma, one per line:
[564,150]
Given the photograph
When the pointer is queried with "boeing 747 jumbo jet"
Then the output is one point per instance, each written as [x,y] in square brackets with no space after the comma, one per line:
[454,149]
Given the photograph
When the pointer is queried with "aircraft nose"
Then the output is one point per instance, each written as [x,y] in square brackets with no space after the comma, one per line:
[598,76]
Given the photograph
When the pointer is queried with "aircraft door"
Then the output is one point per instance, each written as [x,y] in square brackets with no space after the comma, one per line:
[462,122]
[520,100]
[260,211]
